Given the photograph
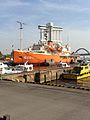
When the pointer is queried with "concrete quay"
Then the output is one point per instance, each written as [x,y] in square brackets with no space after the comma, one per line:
[37,76]
[24,101]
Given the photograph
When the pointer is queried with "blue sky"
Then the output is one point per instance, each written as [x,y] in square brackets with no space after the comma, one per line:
[72,15]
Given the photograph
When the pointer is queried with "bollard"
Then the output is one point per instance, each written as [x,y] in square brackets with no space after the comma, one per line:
[56,77]
[37,77]
[44,78]
[25,77]
[0,76]
[6,117]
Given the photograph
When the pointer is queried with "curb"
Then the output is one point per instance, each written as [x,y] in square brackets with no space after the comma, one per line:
[72,87]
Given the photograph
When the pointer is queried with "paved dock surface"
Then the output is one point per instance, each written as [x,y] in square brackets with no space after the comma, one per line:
[24,101]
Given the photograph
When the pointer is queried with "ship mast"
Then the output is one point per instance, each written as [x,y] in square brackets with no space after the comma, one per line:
[21,33]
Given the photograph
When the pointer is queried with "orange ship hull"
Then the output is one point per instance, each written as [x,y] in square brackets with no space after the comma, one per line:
[37,58]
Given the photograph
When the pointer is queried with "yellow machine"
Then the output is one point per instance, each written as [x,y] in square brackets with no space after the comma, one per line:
[78,72]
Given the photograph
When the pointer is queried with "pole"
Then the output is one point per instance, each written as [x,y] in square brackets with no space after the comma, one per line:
[21,37]
[21,33]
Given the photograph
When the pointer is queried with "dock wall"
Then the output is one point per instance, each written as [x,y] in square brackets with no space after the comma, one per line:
[38,76]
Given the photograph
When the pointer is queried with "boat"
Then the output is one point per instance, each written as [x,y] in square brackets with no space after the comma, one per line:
[24,68]
[5,69]
[63,65]
[3,65]
[78,72]
[48,50]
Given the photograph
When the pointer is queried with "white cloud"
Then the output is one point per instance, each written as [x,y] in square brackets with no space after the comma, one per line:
[65,7]
[12,3]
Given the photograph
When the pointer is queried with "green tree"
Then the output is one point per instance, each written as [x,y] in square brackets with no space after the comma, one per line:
[0,54]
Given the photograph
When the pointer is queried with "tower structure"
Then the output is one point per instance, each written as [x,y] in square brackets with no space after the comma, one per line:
[49,32]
